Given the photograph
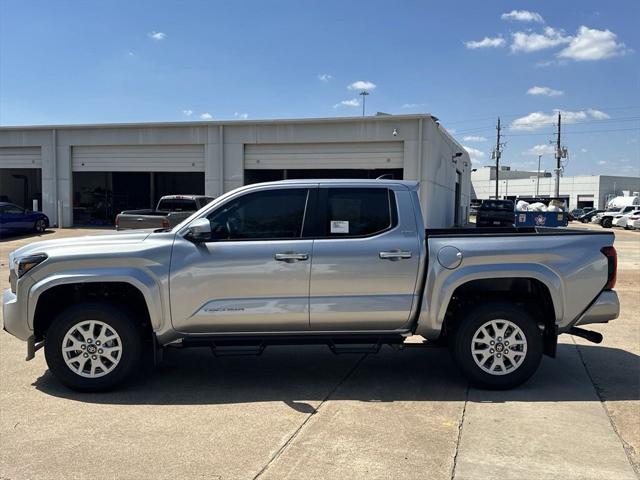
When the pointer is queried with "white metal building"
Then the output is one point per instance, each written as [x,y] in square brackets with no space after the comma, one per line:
[90,172]
[580,191]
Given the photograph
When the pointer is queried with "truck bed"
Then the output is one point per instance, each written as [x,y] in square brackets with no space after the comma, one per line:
[507,231]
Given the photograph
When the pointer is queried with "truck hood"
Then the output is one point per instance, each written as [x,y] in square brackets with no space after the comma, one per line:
[74,243]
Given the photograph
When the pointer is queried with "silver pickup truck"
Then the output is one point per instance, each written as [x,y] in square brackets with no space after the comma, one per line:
[343,263]
[171,210]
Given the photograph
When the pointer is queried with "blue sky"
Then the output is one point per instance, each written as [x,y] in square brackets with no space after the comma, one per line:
[465,62]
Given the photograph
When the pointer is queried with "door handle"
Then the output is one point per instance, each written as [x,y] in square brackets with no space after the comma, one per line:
[291,257]
[395,255]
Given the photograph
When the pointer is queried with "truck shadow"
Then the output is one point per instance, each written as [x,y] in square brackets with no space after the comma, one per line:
[305,375]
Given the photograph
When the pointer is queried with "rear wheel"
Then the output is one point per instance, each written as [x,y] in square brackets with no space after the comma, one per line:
[497,346]
[93,347]
[40,225]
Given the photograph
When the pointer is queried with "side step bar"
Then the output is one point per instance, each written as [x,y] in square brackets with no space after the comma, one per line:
[238,345]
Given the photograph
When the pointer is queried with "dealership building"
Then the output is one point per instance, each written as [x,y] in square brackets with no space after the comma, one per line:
[579,192]
[86,174]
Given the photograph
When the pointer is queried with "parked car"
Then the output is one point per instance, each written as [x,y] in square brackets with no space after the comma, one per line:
[496,213]
[586,218]
[575,214]
[15,219]
[623,220]
[170,211]
[605,219]
[633,223]
[343,263]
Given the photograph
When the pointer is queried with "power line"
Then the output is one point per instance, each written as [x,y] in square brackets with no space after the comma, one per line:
[575,133]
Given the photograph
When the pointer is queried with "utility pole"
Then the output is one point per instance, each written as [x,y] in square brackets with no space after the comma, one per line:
[496,155]
[538,178]
[561,152]
[364,94]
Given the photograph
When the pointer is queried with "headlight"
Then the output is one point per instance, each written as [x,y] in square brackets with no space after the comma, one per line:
[23,264]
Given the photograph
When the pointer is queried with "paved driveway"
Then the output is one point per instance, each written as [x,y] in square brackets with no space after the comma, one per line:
[304,413]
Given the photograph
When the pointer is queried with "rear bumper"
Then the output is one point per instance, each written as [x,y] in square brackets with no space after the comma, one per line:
[14,318]
[605,308]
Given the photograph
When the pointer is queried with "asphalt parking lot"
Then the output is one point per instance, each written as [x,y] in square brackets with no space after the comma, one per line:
[305,413]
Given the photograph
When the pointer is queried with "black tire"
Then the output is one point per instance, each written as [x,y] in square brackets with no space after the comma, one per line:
[606,222]
[40,226]
[118,320]
[462,343]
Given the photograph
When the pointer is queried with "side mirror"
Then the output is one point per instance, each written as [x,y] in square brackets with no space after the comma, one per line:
[200,230]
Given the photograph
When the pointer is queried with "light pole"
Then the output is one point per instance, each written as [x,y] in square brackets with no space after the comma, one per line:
[538,177]
[364,94]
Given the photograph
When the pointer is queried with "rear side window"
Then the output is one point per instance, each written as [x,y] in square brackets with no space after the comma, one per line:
[357,212]
[269,214]
[178,205]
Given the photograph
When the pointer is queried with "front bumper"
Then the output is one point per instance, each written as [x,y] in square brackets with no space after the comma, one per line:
[606,307]
[14,318]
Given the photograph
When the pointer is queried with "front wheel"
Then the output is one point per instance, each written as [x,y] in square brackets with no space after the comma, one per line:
[497,346]
[93,347]
[606,222]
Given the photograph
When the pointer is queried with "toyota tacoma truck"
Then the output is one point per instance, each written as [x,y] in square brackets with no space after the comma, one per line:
[343,263]
[171,210]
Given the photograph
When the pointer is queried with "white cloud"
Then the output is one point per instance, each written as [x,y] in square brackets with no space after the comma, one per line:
[598,114]
[325,77]
[602,162]
[206,116]
[584,150]
[474,138]
[474,154]
[354,102]
[542,149]
[157,35]
[486,42]
[536,120]
[243,116]
[592,44]
[362,85]
[187,113]
[532,42]
[546,91]
[523,16]
[130,54]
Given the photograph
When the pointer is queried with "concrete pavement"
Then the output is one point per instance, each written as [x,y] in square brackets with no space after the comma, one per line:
[304,413]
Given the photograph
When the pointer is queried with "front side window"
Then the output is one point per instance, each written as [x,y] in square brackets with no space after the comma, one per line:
[355,212]
[269,214]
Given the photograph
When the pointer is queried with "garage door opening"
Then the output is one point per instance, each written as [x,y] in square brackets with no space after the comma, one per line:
[21,186]
[256,176]
[99,196]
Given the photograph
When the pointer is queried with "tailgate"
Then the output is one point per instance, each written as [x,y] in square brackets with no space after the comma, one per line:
[127,221]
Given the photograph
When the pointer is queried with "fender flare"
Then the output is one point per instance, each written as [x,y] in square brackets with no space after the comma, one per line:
[135,277]
[435,306]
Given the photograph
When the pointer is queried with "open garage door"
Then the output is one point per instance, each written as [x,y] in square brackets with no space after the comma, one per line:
[20,157]
[138,158]
[330,156]
[21,175]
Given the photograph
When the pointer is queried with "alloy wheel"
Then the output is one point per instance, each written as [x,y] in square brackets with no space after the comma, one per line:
[91,349]
[499,347]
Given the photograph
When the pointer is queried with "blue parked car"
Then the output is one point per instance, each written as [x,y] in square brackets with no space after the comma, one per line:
[15,219]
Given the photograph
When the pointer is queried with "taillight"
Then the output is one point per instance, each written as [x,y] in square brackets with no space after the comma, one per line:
[612,270]
[634,217]
[165,223]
